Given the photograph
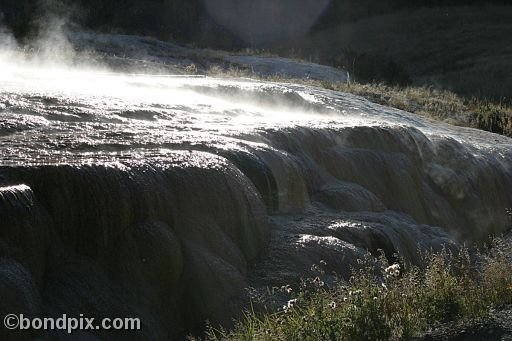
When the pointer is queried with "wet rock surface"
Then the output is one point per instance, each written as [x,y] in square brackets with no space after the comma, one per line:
[164,197]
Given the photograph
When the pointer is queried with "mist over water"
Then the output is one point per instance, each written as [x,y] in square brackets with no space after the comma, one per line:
[164,197]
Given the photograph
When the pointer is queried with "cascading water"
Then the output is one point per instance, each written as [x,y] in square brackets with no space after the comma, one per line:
[164,197]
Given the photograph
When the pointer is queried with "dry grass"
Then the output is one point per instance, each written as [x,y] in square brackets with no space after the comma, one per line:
[439,104]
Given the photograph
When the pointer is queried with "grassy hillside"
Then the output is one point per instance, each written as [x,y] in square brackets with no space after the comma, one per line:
[464,49]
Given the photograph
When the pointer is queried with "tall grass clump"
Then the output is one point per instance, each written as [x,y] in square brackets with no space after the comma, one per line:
[383,301]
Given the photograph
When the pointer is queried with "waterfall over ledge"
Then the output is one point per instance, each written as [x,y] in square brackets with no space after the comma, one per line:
[164,198]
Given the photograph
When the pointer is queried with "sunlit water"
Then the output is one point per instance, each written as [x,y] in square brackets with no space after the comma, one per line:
[162,190]
[80,110]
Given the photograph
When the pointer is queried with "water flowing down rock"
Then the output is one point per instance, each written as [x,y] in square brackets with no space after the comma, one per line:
[163,198]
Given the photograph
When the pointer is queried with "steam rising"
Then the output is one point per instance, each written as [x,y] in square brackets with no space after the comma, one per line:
[49,46]
[50,64]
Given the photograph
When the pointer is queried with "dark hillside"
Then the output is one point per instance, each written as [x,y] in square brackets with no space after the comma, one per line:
[189,20]
[349,10]
[463,49]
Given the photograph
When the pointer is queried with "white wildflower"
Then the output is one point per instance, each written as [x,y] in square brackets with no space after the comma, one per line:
[286,288]
[392,270]
[290,304]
